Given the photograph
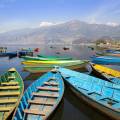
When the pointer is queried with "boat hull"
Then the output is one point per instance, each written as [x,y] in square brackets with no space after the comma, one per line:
[41,98]
[60,62]
[110,113]
[46,69]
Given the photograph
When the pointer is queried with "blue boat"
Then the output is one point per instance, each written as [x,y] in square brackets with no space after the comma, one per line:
[3,54]
[105,60]
[100,94]
[41,98]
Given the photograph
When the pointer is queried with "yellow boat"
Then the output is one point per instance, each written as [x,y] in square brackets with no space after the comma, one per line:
[107,70]
[51,62]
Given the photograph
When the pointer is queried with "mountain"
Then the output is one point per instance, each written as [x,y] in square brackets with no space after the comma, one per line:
[70,32]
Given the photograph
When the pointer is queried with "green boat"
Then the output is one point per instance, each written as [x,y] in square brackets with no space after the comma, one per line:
[11,91]
[45,68]
[54,57]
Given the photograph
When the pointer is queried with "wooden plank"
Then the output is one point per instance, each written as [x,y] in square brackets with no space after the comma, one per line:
[43,102]
[52,95]
[7,101]
[11,77]
[5,109]
[9,87]
[51,83]
[48,88]
[9,93]
[9,83]
[34,112]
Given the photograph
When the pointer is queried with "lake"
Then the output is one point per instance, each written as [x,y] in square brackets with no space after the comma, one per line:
[71,107]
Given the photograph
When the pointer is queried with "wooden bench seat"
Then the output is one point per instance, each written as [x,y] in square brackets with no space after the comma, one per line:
[9,83]
[34,112]
[51,83]
[41,102]
[5,109]
[9,87]
[48,88]
[9,93]
[11,77]
[7,101]
[53,95]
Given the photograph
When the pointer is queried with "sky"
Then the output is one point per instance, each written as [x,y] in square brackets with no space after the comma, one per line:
[18,14]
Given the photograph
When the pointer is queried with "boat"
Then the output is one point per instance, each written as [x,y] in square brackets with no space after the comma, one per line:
[105,60]
[111,74]
[46,68]
[42,58]
[55,57]
[41,98]
[100,94]
[40,62]
[107,54]
[11,54]
[11,91]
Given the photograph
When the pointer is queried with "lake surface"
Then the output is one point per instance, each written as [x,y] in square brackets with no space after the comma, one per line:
[71,107]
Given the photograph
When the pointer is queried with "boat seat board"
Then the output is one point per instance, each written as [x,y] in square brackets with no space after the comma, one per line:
[9,87]
[51,83]
[9,83]
[9,93]
[48,88]
[5,109]
[7,101]
[11,77]
[41,102]
[53,95]
[34,112]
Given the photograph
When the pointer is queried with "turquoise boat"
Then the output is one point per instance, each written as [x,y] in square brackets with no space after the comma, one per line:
[100,94]
[106,60]
[43,58]
[46,57]
[41,98]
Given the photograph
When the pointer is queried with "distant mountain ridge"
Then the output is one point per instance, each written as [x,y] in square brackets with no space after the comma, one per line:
[72,32]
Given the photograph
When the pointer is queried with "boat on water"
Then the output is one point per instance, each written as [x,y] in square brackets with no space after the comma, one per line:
[11,91]
[100,94]
[107,54]
[41,98]
[2,54]
[111,74]
[46,68]
[40,62]
[55,57]
[43,58]
[105,60]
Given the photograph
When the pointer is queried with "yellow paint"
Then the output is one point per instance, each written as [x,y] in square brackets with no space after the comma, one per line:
[10,100]
[9,87]
[107,70]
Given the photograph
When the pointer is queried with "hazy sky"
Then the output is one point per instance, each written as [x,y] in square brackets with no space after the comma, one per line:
[16,14]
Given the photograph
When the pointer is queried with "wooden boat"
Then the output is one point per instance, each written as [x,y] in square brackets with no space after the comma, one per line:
[112,75]
[46,68]
[41,58]
[11,91]
[55,57]
[107,54]
[2,54]
[100,94]
[41,98]
[60,62]
[105,60]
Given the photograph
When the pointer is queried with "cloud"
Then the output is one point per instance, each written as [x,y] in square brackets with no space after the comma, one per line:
[46,24]
[114,24]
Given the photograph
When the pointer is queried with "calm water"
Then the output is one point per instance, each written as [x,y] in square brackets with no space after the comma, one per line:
[71,108]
